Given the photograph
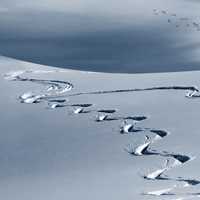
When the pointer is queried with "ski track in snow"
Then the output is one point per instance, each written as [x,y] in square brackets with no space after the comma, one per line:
[193,91]
[55,95]
[54,88]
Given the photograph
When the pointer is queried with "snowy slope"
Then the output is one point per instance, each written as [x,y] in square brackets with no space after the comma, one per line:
[54,147]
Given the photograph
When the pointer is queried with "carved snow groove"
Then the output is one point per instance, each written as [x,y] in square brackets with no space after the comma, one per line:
[191,89]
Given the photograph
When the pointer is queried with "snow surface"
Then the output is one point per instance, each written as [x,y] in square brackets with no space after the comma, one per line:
[49,152]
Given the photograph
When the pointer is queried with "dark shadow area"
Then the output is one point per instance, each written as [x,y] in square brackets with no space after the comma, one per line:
[95,43]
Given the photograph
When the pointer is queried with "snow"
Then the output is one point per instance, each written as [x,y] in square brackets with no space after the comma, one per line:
[56,154]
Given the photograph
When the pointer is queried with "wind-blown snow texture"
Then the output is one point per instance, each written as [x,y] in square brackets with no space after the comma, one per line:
[70,134]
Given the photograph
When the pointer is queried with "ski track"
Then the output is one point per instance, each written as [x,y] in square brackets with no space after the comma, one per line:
[193,91]
[163,192]
[55,95]
[54,88]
